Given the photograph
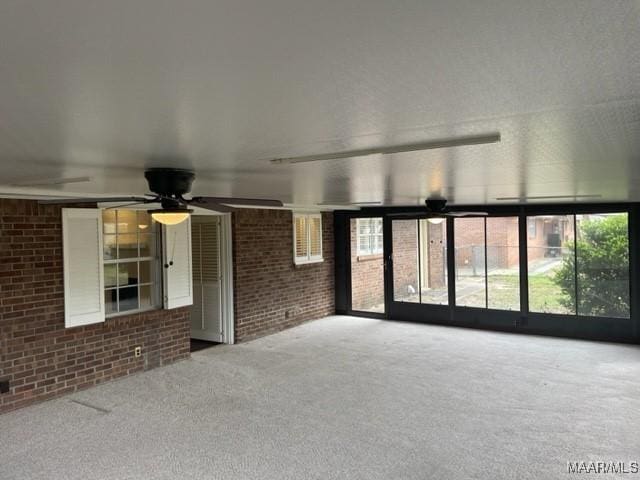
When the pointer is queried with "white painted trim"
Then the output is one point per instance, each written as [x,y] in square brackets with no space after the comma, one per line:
[307,262]
[226,300]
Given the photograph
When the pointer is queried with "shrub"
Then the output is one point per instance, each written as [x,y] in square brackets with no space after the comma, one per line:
[602,253]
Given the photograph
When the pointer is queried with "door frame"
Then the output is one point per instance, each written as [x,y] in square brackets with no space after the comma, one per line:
[226,294]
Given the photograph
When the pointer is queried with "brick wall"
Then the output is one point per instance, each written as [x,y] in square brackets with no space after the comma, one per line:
[270,292]
[436,243]
[502,242]
[41,358]
[537,245]
[405,257]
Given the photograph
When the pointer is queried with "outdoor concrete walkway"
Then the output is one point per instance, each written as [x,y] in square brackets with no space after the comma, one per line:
[345,398]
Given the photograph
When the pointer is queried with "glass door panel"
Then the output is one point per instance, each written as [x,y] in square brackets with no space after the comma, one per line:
[405,261]
[433,261]
[503,263]
[367,265]
[420,261]
[471,281]
[551,263]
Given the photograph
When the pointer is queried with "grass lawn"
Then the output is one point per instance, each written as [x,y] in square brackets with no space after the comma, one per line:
[545,296]
[504,294]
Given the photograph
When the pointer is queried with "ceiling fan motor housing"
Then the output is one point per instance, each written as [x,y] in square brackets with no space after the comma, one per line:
[169,182]
[436,204]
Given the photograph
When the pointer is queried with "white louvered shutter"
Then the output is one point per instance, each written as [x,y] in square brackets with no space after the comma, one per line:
[83,266]
[315,237]
[176,260]
[301,251]
[210,276]
[209,244]
[206,309]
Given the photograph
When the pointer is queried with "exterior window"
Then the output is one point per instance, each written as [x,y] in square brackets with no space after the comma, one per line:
[369,236]
[131,261]
[307,238]
[580,265]
[602,265]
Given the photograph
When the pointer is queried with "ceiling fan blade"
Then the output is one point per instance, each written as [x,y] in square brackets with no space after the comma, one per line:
[126,205]
[50,181]
[216,207]
[256,202]
[466,214]
[65,201]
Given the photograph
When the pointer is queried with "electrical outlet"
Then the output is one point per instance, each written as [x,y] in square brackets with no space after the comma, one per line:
[137,351]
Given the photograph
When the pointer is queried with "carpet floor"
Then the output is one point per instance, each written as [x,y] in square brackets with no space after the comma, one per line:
[345,398]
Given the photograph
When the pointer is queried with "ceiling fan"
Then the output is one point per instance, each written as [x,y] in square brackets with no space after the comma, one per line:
[168,187]
[437,211]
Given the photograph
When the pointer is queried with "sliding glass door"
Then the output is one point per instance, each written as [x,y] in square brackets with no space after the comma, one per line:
[419,270]
[420,261]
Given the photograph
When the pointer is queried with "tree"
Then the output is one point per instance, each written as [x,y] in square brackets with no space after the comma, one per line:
[602,255]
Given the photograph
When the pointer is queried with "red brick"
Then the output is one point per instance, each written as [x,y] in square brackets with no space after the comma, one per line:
[270,292]
[37,354]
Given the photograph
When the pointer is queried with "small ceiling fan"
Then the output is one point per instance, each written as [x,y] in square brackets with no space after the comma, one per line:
[168,187]
[437,211]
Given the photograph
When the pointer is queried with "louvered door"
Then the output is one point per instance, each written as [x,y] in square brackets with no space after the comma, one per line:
[206,309]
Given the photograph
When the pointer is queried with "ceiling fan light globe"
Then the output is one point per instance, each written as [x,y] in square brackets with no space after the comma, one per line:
[435,220]
[169,218]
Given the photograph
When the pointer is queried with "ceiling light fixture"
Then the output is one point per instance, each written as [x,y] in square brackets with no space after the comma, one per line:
[172,216]
[547,197]
[412,147]
[435,220]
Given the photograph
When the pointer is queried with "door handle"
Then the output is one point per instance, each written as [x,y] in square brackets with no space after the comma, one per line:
[387,260]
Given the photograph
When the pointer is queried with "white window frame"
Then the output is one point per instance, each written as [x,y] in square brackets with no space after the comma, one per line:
[157,282]
[307,259]
[372,238]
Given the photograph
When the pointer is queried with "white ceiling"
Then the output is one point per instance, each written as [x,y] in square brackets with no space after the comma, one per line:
[106,88]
